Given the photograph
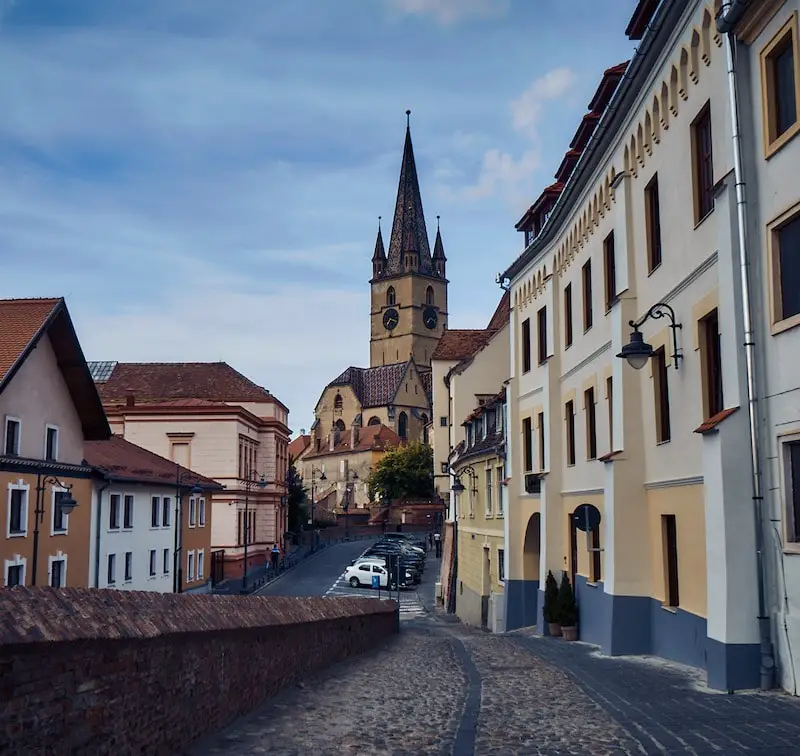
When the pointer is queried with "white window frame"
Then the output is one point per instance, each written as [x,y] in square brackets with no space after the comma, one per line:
[11,418]
[190,566]
[59,556]
[489,481]
[784,441]
[120,509]
[166,561]
[153,565]
[53,532]
[49,427]
[125,578]
[123,526]
[201,559]
[499,471]
[15,561]
[109,558]
[201,512]
[501,565]
[155,500]
[20,485]
[166,511]
[192,512]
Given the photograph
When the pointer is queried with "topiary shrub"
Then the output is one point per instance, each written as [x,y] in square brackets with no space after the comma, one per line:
[566,606]
[550,607]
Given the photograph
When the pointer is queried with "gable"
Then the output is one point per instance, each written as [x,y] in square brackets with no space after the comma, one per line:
[411,390]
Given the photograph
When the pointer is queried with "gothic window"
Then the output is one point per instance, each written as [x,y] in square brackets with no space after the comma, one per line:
[339,425]
[424,428]
[429,295]
[390,296]
[337,404]
[402,425]
[374,420]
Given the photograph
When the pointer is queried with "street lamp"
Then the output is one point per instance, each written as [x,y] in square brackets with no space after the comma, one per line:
[323,478]
[181,477]
[457,488]
[249,481]
[66,504]
[637,351]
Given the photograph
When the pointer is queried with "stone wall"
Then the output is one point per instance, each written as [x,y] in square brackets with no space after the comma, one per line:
[101,672]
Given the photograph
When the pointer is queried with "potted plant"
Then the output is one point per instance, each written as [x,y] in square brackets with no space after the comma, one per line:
[567,610]
[550,608]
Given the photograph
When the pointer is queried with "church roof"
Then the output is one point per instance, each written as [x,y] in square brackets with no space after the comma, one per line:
[409,232]
[370,438]
[377,386]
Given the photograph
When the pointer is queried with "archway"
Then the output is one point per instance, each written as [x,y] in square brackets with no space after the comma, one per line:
[402,425]
[374,420]
[531,548]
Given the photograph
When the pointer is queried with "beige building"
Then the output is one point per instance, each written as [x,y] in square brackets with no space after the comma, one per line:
[210,418]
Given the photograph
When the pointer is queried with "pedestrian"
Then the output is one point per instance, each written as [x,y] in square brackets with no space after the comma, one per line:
[437,539]
[430,539]
[275,554]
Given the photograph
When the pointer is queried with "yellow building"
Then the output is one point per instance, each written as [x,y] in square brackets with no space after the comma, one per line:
[478,467]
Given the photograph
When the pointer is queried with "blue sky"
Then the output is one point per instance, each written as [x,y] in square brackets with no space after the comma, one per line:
[201,179]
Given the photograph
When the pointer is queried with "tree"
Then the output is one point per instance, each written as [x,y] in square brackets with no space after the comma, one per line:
[403,473]
[297,499]
[566,606]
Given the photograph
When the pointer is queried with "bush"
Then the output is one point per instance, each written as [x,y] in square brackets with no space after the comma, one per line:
[549,610]
[566,606]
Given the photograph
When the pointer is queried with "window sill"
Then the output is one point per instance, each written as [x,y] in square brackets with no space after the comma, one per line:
[17,535]
[702,220]
[791,549]
[54,533]
[592,583]
[665,441]
[653,270]
[787,324]
[777,144]
[670,609]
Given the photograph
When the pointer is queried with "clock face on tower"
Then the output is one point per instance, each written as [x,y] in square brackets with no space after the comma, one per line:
[430,318]
[390,319]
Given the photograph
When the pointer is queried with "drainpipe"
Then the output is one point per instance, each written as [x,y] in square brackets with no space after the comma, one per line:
[730,14]
[98,530]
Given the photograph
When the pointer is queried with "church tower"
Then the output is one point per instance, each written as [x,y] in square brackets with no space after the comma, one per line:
[409,285]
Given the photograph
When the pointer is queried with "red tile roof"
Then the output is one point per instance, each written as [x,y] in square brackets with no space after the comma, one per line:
[370,438]
[458,344]
[299,445]
[640,20]
[163,381]
[20,321]
[121,460]
[607,86]
[375,386]
[584,131]
[712,422]
[547,198]
[568,163]
[502,314]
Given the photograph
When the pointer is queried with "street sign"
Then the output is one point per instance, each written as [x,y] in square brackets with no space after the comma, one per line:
[376,581]
[586,517]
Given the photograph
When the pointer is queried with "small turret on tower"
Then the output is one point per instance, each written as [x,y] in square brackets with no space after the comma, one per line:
[379,256]
[439,260]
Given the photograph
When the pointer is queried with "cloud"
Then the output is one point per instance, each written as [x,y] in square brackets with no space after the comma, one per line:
[527,108]
[501,172]
[449,12]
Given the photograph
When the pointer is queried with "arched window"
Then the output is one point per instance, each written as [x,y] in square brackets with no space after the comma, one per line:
[337,402]
[424,428]
[390,296]
[402,425]
[374,420]
[339,425]
[429,295]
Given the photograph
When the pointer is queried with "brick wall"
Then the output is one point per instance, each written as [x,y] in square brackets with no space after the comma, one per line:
[101,672]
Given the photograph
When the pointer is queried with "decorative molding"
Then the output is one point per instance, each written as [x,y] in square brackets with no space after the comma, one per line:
[674,483]
[583,363]
[585,492]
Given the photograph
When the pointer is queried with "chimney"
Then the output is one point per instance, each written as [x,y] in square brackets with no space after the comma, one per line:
[333,439]
[353,436]
[130,398]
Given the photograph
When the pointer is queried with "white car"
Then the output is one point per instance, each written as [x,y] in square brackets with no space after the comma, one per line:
[362,572]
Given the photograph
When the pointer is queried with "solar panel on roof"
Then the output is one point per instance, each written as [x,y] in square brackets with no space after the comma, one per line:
[101,371]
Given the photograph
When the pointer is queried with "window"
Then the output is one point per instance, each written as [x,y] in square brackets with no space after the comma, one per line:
[568,316]
[402,425]
[338,403]
[155,511]
[443,421]
[610,398]
[610,270]
[569,419]
[501,565]
[51,443]
[661,395]
[595,575]
[586,278]
[541,329]
[390,297]
[711,356]
[652,218]
[784,255]
[112,569]
[791,452]
[444,468]
[11,445]
[152,562]
[429,295]
[113,511]
[526,345]
[17,510]
[702,164]
[190,567]
[201,511]
[780,81]
[165,562]
[192,511]
[58,570]
[591,423]
[167,505]
[201,558]
[59,518]
[15,572]
[670,541]
[527,444]
[128,518]
[541,441]
[128,566]
[489,491]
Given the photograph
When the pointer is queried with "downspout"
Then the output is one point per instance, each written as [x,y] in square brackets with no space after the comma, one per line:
[98,530]
[730,14]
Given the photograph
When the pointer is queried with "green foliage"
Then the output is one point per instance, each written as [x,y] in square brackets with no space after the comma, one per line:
[567,608]
[403,473]
[297,499]
[549,610]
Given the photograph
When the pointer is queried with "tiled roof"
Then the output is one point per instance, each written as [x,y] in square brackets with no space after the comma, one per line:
[159,381]
[502,314]
[299,445]
[375,386]
[498,398]
[426,376]
[122,460]
[371,438]
[20,321]
[458,344]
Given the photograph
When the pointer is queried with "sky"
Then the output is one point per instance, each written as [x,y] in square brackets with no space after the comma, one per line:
[202,179]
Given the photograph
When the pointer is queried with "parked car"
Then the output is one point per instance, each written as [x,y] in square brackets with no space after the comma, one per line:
[413,551]
[411,572]
[361,574]
[410,559]
[410,538]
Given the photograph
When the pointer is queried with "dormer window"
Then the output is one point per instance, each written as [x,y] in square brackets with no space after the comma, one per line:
[469,435]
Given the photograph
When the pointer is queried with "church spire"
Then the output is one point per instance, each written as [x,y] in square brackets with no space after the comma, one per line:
[379,256]
[439,259]
[408,246]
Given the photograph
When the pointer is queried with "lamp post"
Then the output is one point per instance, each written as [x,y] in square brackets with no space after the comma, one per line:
[637,351]
[181,476]
[66,505]
[249,480]
[457,488]
[311,521]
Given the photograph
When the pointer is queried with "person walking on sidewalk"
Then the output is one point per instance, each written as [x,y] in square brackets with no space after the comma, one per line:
[437,539]
[275,555]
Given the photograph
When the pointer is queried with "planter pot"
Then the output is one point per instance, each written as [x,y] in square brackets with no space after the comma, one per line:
[554,629]
[570,633]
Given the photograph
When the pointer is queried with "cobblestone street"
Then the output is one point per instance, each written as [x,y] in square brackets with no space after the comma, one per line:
[444,688]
